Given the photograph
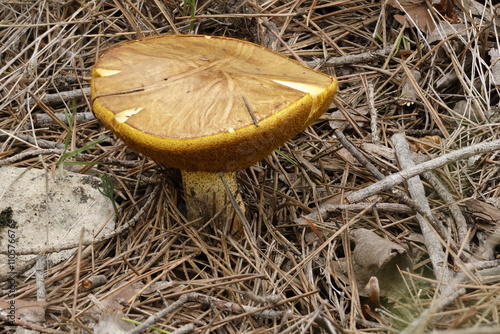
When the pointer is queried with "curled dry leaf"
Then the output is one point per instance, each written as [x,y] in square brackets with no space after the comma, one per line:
[125,292]
[480,12]
[347,156]
[408,93]
[418,15]
[467,110]
[372,289]
[445,30]
[307,166]
[374,251]
[487,218]
[337,120]
[375,256]
[447,9]
[484,212]
[33,311]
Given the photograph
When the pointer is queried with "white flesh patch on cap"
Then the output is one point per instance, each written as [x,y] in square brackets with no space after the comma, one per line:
[311,89]
[102,72]
[123,116]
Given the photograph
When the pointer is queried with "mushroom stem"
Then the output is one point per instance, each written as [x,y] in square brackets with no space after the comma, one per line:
[206,196]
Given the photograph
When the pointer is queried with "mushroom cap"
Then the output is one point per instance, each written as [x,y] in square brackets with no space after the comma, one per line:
[201,103]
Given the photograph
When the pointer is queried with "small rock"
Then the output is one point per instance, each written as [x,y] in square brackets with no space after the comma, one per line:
[39,209]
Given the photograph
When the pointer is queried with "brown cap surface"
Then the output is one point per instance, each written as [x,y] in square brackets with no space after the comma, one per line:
[205,103]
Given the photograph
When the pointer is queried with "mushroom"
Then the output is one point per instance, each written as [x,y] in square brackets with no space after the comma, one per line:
[205,105]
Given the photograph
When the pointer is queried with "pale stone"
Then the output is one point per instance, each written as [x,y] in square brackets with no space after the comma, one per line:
[48,210]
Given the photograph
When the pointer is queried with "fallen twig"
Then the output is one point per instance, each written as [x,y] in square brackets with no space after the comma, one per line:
[44,120]
[206,300]
[66,96]
[416,189]
[28,153]
[325,209]
[30,140]
[397,178]
[454,208]
[352,59]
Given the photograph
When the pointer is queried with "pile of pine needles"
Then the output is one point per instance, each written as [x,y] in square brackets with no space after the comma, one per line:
[417,81]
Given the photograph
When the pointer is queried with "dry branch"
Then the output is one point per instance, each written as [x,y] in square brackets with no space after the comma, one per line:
[364,57]
[325,209]
[397,178]
[416,189]
[30,140]
[44,120]
[455,211]
[211,301]
[65,96]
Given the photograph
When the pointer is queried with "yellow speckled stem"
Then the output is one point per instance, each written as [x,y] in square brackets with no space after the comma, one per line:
[206,196]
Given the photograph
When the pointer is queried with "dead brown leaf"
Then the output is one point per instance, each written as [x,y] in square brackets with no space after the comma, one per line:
[416,14]
[376,256]
[29,309]
[483,211]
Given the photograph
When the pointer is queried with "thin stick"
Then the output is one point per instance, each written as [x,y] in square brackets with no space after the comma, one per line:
[157,316]
[430,108]
[360,157]
[35,327]
[186,329]
[28,153]
[206,300]
[352,59]
[370,97]
[41,294]
[416,189]
[326,208]
[39,143]
[46,120]
[455,211]
[65,96]
[397,178]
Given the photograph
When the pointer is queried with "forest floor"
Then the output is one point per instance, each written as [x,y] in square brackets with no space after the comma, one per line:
[381,217]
